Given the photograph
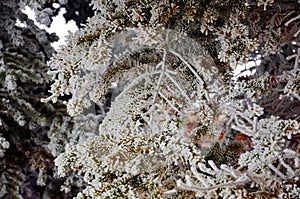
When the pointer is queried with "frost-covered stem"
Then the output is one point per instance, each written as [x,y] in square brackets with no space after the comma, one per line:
[297,33]
[189,66]
[265,7]
[246,118]
[239,114]
[291,20]
[202,167]
[203,181]
[288,168]
[145,106]
[291,56]
[271,166]
[227,169]
[243,130]
[181,185]
[177,85]
[297,57]
[137,80]
[163,65]
[213,165]
[236,119]
[53,97]
[255,124]
[101,106]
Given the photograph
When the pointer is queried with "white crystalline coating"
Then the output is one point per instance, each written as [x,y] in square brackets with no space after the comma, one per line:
[10,81]
[265,3]
[4,144]
[125,129]
[167,90]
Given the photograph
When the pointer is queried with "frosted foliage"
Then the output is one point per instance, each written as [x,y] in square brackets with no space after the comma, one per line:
[292,88]
[71,131]
[10,82]
[3,145]
[44,18]
[178,125]
[58,135]
[101,5]
[269,165]
[24,121]
[276,134]
[235,42]
[214,178]
[86,126]
[145,128]
[22,64]
[71,81]
[42,14]
[11,180]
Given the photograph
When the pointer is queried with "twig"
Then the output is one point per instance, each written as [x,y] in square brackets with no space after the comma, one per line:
[183,186]
[189,66]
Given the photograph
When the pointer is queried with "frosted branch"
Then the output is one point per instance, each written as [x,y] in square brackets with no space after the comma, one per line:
[189,66]
[291,20]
